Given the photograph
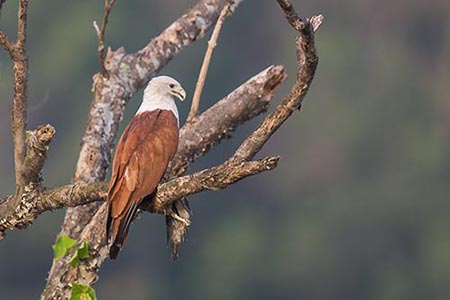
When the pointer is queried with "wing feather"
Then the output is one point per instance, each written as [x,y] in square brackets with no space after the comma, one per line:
[143,152]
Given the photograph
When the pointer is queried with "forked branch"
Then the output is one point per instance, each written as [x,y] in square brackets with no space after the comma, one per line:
[101,34]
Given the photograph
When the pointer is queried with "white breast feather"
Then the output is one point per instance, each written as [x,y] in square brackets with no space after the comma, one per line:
[154,101]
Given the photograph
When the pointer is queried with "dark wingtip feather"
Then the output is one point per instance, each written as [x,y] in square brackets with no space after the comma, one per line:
[114,251]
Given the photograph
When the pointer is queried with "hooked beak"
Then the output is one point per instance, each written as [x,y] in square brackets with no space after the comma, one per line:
[179,92]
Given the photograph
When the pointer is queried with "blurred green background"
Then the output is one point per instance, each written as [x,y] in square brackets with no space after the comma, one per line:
[358,207]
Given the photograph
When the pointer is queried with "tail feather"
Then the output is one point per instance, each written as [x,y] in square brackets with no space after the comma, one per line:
[118,230]
[113,251]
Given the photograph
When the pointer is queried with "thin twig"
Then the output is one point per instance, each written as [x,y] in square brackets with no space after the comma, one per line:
[101,35]
[22,24]
[206,61]
[19,111]
[291,15]
[1,5]
[7,44]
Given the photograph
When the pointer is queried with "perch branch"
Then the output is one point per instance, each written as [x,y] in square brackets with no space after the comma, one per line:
[216,178]
[206,61]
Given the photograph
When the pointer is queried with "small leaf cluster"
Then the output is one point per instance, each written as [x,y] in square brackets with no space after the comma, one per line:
[61,248]
[82,292]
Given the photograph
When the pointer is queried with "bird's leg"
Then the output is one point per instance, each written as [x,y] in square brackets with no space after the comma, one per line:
[181,211]
[177,225]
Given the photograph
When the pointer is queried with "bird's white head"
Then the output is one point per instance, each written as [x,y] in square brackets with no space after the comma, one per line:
[165,86]
[160,93]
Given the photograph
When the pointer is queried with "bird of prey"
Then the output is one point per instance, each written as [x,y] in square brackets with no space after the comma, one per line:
[143,152]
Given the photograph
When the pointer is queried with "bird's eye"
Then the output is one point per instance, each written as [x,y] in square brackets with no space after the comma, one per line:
[171,85]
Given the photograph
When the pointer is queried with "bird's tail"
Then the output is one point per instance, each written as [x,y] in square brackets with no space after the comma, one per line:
[117,230]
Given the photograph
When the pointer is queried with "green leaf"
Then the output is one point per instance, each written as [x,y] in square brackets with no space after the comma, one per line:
[81,253]
[75,260]
[82,292]
[83,250]
[62,246]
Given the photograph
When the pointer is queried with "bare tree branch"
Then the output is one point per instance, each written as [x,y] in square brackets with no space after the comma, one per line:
[38,142]
[73,195]
[211,179]
[37,146]
[291,14]
[244,103]
[65,196]
[101,35]
[307,61]
[206,61]
[7,44]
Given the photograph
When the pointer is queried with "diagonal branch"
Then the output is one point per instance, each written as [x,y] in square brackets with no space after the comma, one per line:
[307,61]
[206,61]
[7,44]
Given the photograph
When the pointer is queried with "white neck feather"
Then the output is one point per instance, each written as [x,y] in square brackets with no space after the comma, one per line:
[155,101]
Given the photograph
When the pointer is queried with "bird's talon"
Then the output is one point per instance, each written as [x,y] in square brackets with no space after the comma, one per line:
[177,217]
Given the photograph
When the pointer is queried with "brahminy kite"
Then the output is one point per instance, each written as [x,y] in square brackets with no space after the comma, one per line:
[144,150]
